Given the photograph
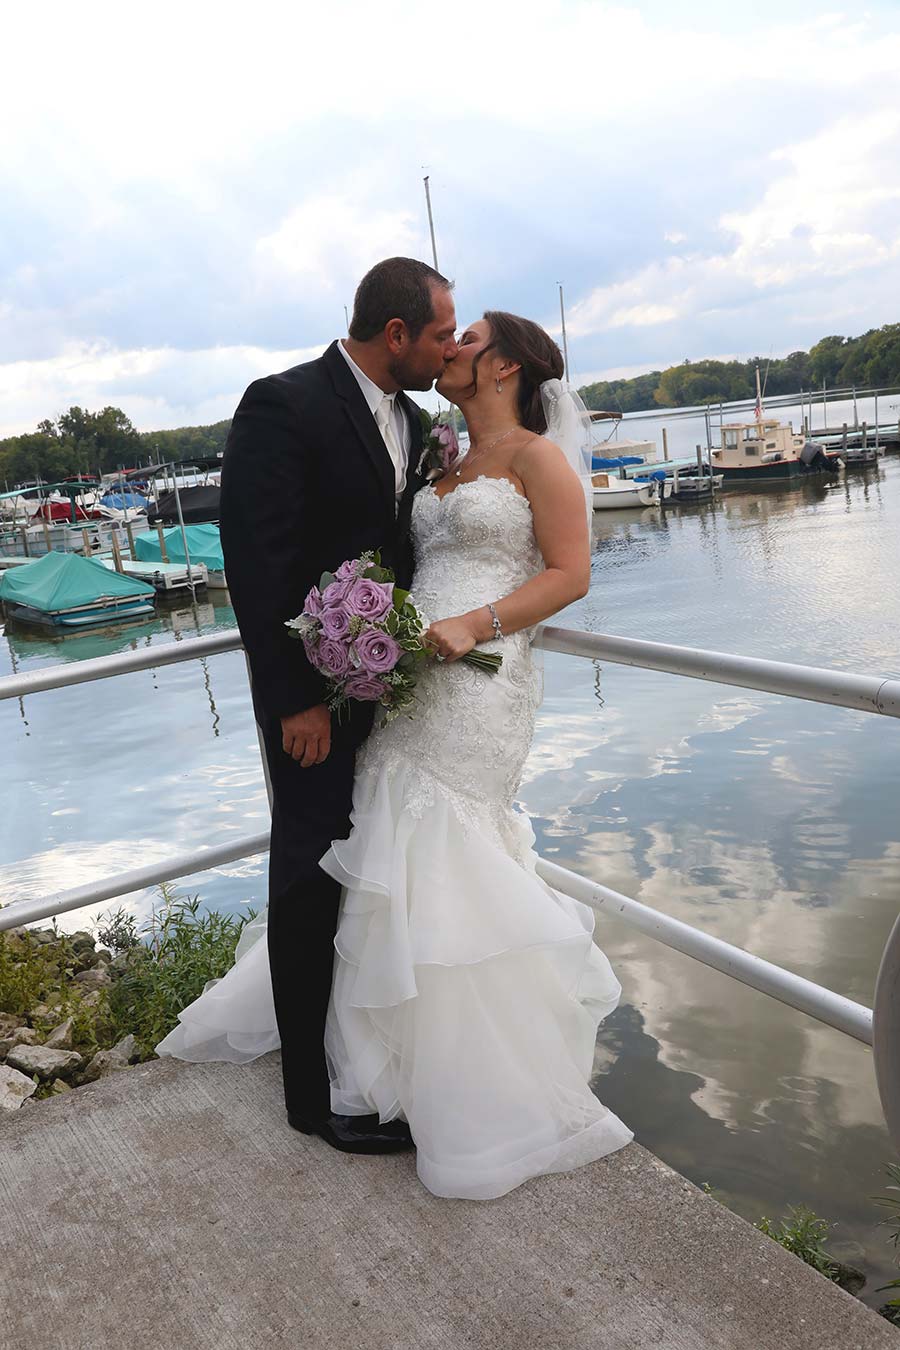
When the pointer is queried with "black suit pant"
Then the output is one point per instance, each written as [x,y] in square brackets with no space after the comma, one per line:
[310,808]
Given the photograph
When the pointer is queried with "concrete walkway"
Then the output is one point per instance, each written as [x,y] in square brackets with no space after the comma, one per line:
[171,1206]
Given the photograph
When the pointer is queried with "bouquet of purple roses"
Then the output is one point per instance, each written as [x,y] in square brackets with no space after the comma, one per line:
[364,634]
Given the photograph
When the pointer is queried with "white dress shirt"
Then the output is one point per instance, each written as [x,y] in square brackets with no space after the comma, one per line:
[374,397]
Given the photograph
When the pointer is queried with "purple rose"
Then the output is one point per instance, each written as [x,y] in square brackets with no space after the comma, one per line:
[336,622]
[313,605]
[377,651]
[348,571]
[310,646]
[337,592]
[365,687]
[332,657]
[371,599]
[448,445]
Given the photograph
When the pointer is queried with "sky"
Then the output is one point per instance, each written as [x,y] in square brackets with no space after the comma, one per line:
[189,192]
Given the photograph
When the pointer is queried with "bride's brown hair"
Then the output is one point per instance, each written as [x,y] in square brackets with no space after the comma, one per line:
[540,359]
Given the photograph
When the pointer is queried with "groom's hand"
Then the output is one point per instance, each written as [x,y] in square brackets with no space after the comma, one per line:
[306,736]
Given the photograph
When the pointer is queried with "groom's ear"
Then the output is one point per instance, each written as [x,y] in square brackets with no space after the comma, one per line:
[396,335]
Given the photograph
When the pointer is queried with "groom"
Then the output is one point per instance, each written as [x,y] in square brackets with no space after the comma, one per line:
[321,464]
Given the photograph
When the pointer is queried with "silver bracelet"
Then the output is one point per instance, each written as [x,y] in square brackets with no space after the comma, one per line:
[498,631]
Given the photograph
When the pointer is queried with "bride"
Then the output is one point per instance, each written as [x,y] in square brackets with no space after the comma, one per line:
[466,993]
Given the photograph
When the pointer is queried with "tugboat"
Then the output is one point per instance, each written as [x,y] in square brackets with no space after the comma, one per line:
[765,449]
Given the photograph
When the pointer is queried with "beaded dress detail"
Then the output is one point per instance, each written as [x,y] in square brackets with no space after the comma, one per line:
[467,993]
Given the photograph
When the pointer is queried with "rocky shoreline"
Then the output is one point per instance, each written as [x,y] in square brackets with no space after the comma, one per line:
[67,1036]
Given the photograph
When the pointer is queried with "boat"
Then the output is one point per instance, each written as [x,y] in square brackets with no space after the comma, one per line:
[197,504]
[766,449]
[204,546]
[66,591]
[613,492]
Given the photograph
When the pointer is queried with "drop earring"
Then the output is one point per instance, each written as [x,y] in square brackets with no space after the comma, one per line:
[499,385]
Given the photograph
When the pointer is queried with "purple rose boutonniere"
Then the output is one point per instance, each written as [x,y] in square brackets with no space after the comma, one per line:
[441,447]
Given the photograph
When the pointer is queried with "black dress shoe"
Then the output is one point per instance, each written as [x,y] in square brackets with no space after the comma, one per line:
[357,1134]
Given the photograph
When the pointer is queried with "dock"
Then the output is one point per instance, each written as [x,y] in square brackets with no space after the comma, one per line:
[164,576]
[172,1205]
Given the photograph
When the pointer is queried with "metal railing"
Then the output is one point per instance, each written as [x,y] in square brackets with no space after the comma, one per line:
[878,1027]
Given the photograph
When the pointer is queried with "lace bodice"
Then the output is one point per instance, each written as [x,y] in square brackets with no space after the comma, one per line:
[468,734]
[473,545]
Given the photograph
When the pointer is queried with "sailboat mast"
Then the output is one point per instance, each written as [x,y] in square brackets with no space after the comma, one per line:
[562,315]
[431,223]
[758,410]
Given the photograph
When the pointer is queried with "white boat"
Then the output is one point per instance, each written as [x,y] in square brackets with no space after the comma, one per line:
[617,494]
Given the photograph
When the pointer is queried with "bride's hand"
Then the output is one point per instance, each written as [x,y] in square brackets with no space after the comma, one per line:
[450,639]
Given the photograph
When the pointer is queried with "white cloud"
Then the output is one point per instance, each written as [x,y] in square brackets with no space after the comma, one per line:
[155,388]
[818,219]
[330,237]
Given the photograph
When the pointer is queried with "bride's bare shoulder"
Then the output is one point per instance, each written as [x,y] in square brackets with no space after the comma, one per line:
[537,453]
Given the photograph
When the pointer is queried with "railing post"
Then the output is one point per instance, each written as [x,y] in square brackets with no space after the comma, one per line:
[886,1032]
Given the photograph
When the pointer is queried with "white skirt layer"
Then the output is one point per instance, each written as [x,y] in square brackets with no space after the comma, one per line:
[467,993]
[234,1018]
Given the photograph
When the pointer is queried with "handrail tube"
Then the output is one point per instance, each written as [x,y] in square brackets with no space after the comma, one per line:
[119,663]
[834,1009]
[863,693]
[124,883]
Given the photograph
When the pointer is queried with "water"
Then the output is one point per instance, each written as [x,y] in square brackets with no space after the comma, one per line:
[769,822]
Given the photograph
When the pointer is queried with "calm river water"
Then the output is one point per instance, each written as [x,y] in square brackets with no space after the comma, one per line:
[767,821]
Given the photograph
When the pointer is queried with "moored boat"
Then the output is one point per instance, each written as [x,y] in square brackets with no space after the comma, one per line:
[66,591]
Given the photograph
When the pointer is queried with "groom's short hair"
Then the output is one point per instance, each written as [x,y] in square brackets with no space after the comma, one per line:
[397,288]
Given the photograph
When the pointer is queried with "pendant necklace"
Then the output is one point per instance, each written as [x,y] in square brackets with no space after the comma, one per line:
[479,454]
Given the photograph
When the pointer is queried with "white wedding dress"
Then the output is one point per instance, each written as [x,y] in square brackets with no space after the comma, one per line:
[467,993]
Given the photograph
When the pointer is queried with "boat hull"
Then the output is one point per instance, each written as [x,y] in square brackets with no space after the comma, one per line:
[72,619]
[775,473]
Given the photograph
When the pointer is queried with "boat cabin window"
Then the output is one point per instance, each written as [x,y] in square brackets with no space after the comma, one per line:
[751,450]
[731,440]
[751,434]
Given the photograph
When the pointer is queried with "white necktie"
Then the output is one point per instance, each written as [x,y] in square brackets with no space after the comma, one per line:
[384,418]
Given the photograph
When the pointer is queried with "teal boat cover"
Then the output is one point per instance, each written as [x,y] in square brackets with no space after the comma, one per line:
[65,581]
[204,545]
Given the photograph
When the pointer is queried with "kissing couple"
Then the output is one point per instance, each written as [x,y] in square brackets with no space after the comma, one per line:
[427,989]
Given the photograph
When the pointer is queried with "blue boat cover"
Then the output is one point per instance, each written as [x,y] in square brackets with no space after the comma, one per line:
[204,545]
[657,476]
[120,500]
[66,581]
[620,463]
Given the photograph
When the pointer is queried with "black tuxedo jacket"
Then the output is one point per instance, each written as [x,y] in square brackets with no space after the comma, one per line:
[307,482]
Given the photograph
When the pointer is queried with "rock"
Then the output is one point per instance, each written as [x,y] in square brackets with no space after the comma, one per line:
[40,1011]
[8,1024]
[17,941]
[37,1059]
[21,1036]
[115,1060]
[93,999]
[15,1088]
[95,978]
[58,1086]
[60,1037]
[103,955]
[82,938]
[42,935]
[127,1047]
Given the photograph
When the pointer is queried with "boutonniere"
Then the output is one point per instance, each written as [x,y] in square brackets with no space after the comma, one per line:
[441,447]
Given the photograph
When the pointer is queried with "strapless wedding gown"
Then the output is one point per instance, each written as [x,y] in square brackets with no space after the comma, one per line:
[467,993]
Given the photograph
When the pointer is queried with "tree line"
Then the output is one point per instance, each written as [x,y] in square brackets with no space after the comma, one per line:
[83,442]
[868,361]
